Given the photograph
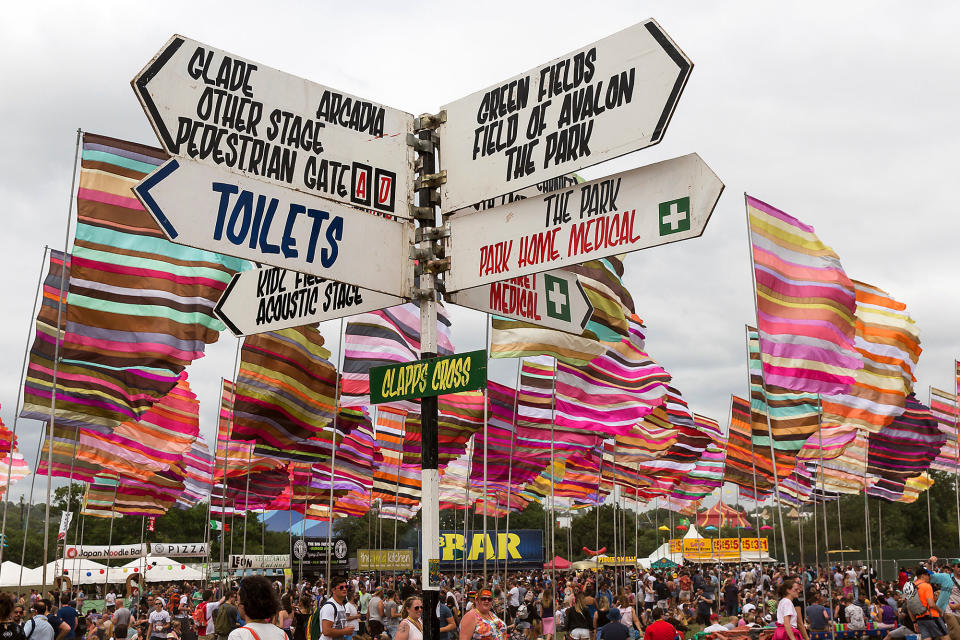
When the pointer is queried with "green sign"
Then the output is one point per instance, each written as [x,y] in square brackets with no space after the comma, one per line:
[675,216]
[424,378]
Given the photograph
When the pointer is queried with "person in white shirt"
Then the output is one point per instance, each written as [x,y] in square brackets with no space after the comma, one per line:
[786,611]
[38,627]
[110,598]
[333,615]
[258,604]
[159,621]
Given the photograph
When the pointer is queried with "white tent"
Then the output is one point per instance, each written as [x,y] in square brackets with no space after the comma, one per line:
[76,569]
[157,569]
[10,574]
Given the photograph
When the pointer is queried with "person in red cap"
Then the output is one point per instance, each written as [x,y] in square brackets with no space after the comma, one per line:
[481,623]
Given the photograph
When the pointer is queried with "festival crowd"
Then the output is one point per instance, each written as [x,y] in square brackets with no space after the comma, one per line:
[801,603]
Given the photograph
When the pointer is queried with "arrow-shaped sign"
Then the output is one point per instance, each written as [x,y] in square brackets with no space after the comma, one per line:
[218,210]
[653,205]
[599,102]
[228,112]
[554,299]
[271,299]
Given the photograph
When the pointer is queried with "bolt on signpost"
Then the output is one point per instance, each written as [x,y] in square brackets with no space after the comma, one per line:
[242,183]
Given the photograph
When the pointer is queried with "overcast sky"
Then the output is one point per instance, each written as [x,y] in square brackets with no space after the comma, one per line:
[843,114]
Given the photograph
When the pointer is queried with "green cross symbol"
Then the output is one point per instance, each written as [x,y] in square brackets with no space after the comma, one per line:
[558,297]
[674,216]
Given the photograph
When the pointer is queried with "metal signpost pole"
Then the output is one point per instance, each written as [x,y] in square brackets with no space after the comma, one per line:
[426,294]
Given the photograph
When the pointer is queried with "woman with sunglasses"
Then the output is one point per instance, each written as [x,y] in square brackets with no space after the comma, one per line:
[411,627]
[481,623]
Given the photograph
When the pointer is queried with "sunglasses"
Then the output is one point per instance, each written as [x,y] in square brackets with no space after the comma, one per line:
[418,608]
[486,599]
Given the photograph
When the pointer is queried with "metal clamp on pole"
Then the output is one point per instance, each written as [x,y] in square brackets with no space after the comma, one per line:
[429,121]
[430,180]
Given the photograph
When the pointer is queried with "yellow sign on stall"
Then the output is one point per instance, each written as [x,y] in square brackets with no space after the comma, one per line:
[720,548]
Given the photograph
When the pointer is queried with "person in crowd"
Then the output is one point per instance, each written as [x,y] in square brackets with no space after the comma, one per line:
[445,618]
[68,614]
[545,607]
[818,616]
[628,617]
[258,604]
[9,630]
[579,621]
[352,608]
[226,615]
[38,627]
[659,629]
[285,615]
[613,630]
[411,626]
[391,613]
[481,623]
[185,627]
[159,620]
[930,623]
[301,616]
[786,611]
[375,613]
[601,616]
[333,613]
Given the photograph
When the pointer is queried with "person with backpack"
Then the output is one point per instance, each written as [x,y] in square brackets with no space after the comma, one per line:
[923,607]
[226,616]
[333,614]
[38,627]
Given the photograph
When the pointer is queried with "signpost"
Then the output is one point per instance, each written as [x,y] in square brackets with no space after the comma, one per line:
[553,299]
[428,378]
[653,205]
[228,112]
[271,299]
[179,549]
[275,169]
[384,559]
[599,102]
[219,210]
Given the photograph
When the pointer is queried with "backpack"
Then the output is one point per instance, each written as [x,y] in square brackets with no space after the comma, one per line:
[200,616]
[522,612]
[315,624]
[223,623]
[915,606]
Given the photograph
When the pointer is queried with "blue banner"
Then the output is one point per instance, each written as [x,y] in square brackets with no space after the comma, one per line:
[524,545]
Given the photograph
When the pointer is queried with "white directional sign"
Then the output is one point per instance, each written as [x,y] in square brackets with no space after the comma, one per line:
[219,210]
[554,299]
[653,205]
[596,103]
[271,299]
[229,112]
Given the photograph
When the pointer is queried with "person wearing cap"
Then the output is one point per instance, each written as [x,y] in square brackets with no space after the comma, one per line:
[613,629]
[951,615]
[481,623]
[930,623]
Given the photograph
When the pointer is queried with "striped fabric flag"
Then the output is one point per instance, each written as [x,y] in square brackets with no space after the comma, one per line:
[889,346]
[198,474]
[286,388]
[943,406]
[906,447]
[805,305]
[828,443]
[460,415]
[705,477]
[613,307]
[139,307]
[793,415]
[385,337]
[612,392]
[743,456]
[236,457]
[156,442]
[392,483]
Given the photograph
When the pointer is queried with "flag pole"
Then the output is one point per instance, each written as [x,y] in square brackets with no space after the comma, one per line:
[56,360]
[513,440]
[333,448]
[956,435]
[553,515]
[763,386]
[486,439]
[16,413]
[26,523]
